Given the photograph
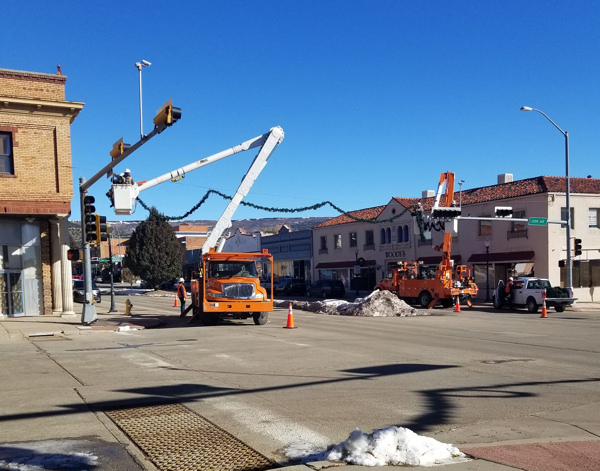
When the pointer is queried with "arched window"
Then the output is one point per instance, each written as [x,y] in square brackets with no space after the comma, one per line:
[400,237]
[406,234]
[382,235]
[388,235]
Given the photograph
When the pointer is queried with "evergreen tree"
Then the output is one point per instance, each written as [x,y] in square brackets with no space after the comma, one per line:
[154,253]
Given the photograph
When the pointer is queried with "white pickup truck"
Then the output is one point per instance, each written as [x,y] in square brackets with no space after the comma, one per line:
[528,292]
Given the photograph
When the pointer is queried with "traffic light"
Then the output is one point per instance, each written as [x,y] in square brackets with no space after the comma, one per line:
[503,211]
[167,114]
[446,213]
[118,148]
[101,228]
[577,247]
[89,214]
[74,255]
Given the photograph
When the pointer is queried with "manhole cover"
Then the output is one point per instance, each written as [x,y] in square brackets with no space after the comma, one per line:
[176,439]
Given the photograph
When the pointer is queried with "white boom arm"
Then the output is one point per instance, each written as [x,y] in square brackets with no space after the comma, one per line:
[124,195]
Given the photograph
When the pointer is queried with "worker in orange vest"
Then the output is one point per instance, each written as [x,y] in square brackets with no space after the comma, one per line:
[508,291]
[182,295]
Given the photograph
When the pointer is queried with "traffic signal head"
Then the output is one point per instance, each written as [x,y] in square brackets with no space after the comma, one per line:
[577,247]
[100,228]
[446,213]
[118,148]
[88,204]
[167,114]
[503,211]
[73,255]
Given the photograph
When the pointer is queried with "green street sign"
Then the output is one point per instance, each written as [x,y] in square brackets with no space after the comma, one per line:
[538,221]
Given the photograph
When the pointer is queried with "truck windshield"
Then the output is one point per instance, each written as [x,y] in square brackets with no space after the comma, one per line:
[226,269]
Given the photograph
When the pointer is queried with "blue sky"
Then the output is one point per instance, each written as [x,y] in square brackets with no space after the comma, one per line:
[376,98]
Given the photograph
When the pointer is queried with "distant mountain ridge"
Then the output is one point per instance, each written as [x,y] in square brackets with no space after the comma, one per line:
[249,226]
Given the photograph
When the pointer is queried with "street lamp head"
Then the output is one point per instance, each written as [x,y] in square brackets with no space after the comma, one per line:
[526,108]
[140,65]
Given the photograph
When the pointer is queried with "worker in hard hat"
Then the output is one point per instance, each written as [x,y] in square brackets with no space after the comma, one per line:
[508,294]
[182,295]
[127,178]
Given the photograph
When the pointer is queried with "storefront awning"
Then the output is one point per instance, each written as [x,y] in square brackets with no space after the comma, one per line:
[437,259]
[334,265]
[524,256]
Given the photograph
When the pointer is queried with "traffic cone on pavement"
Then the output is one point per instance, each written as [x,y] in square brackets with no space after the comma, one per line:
[457,305]
[290,319]
[176,303]
[544,310]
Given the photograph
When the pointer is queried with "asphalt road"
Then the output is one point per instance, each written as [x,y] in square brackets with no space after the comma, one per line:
[271,387]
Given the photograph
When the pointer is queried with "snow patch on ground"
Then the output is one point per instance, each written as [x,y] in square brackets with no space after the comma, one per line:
[389,446]
[376,304]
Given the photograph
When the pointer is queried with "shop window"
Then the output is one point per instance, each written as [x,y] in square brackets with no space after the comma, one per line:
[6,153]
[593,217]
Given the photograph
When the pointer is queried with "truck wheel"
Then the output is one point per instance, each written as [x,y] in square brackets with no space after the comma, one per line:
[425,298]
[260,318]
[447,302]
[559,308]
[532,305]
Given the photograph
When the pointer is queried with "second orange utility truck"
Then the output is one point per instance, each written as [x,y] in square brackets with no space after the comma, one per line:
[412,283]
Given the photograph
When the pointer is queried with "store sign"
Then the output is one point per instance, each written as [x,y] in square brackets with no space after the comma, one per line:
[396,254]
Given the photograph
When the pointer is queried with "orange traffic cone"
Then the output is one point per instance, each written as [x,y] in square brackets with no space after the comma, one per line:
[176,303]
[457,305]
[290,319]
[544,310]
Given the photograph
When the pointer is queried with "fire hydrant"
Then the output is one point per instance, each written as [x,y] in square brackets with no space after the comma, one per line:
[128,306]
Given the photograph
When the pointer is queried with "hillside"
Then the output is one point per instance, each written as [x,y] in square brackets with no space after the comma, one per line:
[266,226]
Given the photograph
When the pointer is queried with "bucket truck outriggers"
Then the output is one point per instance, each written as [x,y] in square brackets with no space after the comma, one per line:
[409,280]
[227,284]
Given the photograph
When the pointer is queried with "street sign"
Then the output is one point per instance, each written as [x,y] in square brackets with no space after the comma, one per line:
[538,221]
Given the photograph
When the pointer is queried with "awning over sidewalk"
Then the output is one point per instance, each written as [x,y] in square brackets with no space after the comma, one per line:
[334,265]
[524,256]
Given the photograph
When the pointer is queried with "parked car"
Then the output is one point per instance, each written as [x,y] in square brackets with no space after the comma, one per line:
[79,292]
[292,286]
[327,289]
[281,284]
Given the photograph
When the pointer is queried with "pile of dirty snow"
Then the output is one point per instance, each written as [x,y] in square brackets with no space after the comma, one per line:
[394,446]
[376,304]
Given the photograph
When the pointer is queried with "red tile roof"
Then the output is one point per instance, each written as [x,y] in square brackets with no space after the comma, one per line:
[369,213]
[528,186]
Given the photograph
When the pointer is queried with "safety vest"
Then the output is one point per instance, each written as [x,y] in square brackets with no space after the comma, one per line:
[181,293]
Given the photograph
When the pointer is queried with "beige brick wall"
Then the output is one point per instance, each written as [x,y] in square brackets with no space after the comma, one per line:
[32,85]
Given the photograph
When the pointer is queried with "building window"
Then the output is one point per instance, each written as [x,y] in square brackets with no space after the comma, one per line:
[388,236]
[406,233]
[400,235]
[323,242]
[485,227]
[519,225]
[353,239]
[369,240]
[593,217]
[6,155]
[563,217]
[382,238]
[337,239]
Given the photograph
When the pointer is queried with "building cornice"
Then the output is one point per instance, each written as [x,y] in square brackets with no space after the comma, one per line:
[69,109]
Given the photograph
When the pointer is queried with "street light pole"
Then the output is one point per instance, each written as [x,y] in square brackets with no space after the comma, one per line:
[355,277]
[568,196]
[113,308]
[487,270]
[140,66]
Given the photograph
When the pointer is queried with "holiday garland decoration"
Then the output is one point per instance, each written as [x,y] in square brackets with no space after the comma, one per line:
[418,214]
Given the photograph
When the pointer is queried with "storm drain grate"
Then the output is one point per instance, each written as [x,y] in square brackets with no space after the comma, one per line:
[177,439]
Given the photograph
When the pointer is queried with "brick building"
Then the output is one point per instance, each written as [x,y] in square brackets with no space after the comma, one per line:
[36,189]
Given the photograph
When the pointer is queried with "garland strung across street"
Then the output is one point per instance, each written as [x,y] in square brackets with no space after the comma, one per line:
[293,210]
